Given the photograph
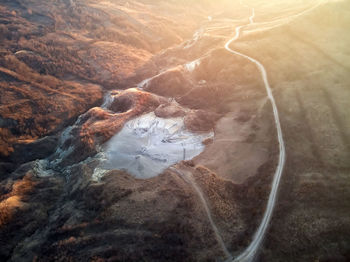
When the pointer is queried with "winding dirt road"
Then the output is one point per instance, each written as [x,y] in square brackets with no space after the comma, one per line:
[249,253]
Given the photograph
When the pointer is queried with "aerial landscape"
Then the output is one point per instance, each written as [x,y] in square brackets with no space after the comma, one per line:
[197,130]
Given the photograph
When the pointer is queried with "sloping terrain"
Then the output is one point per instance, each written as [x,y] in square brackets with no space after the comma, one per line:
[57,56]
[74,73]
[308,63]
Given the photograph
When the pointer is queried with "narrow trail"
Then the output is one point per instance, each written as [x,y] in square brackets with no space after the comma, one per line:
[189,179]
[250,252]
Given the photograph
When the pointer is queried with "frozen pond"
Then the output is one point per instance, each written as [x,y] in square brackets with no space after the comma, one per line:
[147,145]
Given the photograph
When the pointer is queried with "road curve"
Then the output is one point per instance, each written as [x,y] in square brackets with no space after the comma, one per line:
[249,253]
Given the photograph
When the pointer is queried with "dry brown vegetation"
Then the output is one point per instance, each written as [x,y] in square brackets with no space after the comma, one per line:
[55,55]
[13,200]
[34,105]
[56,58]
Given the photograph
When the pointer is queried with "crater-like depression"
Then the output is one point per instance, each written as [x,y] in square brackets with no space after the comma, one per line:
[147,145]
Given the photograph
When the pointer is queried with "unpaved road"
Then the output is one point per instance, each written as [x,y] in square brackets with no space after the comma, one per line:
[250,252]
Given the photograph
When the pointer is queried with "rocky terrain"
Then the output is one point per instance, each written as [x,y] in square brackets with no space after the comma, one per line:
[75,74]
